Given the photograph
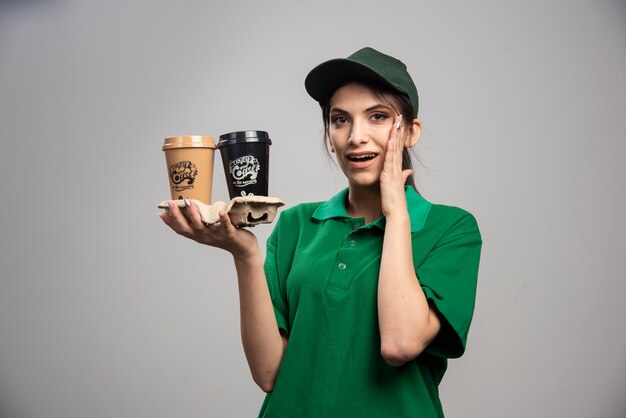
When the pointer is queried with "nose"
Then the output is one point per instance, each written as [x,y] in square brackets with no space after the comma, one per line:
[358,134]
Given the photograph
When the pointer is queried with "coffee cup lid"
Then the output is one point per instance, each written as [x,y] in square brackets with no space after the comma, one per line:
[189,141]
[244,136]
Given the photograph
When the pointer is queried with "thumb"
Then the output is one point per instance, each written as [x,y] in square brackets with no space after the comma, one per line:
[225,219]
[406,174]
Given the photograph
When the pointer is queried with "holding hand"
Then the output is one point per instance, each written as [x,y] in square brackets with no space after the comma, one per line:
[392,177]
[188,223]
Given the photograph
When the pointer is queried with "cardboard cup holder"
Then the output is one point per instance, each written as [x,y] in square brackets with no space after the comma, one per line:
[242,211]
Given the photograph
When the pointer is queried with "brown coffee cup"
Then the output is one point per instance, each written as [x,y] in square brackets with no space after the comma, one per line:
[189,162]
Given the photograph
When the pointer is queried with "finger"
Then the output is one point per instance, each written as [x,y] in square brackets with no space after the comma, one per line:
[395,128]
[397,155]
[225,221]
[399,135]
[164,213]
[193,214]
[389,155]
[394,155]
[166,217]
[184,210]
[406,174]
[396,133]
[178,222]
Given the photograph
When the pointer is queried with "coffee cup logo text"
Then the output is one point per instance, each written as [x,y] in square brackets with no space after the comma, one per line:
[183,174]
[244,170]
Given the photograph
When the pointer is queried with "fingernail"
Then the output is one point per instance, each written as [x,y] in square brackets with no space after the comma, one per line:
[187,204]
[398,124]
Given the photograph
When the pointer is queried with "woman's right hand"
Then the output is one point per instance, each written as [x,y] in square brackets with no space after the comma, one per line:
[188,223]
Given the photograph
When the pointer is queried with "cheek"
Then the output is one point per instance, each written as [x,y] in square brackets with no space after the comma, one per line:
[336,139]
[383,143]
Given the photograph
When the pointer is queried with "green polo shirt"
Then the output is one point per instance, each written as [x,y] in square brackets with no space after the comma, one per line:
[322,269]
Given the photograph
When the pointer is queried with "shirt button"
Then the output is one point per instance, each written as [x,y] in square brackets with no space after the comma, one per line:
[342,266]
[352,243]
[355,226]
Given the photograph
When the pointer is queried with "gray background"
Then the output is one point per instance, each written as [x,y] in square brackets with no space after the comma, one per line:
[104,312]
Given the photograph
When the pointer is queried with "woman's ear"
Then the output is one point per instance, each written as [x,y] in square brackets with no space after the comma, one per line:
[413,136]
[329,145]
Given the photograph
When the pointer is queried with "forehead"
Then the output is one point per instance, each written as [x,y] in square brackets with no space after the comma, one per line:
[359,94]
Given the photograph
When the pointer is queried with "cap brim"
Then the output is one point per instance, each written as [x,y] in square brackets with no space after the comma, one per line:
[324,79]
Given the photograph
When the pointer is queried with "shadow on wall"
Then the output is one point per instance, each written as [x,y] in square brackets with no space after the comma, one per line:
[15,4]
[8,408]
[11,9]
[21,3]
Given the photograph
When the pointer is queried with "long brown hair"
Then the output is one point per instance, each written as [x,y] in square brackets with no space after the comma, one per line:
[397,101]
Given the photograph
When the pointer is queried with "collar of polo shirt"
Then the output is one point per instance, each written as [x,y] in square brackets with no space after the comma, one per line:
[335,207]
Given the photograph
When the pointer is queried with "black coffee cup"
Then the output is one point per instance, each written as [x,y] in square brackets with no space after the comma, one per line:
[245,155]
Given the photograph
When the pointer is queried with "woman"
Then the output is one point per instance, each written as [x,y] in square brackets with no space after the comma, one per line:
[362,298]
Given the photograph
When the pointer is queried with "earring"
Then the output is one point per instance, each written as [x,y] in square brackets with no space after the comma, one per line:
[332,149]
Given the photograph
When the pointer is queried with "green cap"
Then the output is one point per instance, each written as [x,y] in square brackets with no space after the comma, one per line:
[365,64]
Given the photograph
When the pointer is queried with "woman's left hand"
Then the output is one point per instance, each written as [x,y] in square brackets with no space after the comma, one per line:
[392,177]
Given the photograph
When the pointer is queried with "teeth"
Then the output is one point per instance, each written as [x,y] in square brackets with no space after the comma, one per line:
[362,157]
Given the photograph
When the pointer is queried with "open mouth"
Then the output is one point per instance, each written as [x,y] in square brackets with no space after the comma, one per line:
[361,157]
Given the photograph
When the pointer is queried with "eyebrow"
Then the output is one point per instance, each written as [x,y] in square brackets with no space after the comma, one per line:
[369,109]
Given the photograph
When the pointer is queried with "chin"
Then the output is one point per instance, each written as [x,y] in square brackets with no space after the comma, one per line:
[365,182]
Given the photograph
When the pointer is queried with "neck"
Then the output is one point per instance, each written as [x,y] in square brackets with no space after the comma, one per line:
[364,202]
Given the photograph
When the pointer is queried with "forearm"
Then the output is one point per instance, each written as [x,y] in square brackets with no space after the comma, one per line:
[262,341]
[407,323]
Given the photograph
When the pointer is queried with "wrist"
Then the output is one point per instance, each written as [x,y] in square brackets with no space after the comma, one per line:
[249,267]
[394,202]
[398,218]
[247,256]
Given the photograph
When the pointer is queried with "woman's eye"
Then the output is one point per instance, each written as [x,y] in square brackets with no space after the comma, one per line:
[379,116]
[338,120]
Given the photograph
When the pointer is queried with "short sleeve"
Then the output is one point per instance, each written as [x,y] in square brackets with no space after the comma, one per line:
[274,282]
[448,276]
